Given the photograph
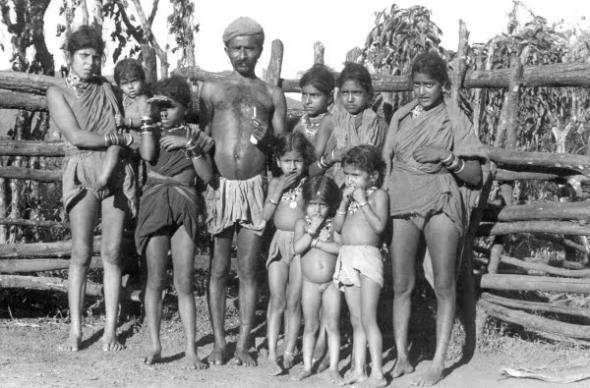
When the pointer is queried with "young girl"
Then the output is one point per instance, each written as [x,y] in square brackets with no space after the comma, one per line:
[361,219]
[167,220]
[316,243]
[317,88]
[285,205]
[355,123]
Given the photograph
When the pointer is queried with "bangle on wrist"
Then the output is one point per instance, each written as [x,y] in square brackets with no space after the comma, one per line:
[459,168]
[448,160]
[341,212]
[322,163]
[455,165]
[363,204]
[192,154]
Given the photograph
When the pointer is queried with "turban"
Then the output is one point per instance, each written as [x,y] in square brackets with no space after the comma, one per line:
[242,26]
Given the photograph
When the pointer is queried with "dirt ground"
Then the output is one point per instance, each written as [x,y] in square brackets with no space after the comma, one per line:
[29,358]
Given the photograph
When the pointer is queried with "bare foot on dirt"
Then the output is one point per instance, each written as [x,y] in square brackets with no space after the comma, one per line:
[242,357]
[72,344]
[324,363]
[193,362]
[333,376]
[153,358]
[217,356]
[353,377]
[432,375]
[303,374]
[372,382]
[110,344]
[288,360]
[275,368]
[402,367]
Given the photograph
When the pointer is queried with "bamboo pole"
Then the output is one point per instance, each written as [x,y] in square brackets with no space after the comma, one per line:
[534,283]
[536,306]
[535,322]
[45,283]
[34,223]
[548,269]
[42,249]
[31,148]
[541,210]
[557,227]
[318,53]
[10,266]
[20,100]
[273,72]
[16,172]
[515,158]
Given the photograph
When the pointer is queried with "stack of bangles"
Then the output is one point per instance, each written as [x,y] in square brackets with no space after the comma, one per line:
[191,151]
[147,125]
[453,163]
[119,139]
[322,162]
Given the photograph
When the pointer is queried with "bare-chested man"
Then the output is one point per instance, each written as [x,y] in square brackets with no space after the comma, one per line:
[241,112]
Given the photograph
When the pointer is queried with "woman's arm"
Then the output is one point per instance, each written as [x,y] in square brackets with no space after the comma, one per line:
[63,116]
[149,147]
[469,171]
[203,168]
[324,133]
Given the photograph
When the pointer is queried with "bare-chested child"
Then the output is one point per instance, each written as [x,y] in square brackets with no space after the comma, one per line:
[241,112]
[169,207]
[317,88]
[130,78]
[284,204]
[318,246]
[361,219]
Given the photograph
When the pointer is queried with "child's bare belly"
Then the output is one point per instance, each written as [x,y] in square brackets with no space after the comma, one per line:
[359,232]
[285,216]
[318,266]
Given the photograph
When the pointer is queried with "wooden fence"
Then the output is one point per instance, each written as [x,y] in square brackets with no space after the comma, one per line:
[550,220]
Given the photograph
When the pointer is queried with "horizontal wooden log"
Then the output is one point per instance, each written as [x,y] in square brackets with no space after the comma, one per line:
[549,269]
[26,82]
[557,227]
[18,100]
[41,264]
[535,322]
[580,163]
[534,283]
[30,174]
[541,210]
[34,223]
[44,283]
[31,148]
[536,306]
[504,175]
[44,249]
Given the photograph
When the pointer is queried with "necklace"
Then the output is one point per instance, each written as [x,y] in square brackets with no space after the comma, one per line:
[311,124]
[326,231]
[417,112]
[292,195]
[354,206]
[76,83]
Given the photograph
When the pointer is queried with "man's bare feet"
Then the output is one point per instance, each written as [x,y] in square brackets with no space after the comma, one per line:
[193,361]
[72,344]
[242,357]
[303,374]
[153,358]
[353,377]
[110,344]
[333,376]
[288,360]
[432,375]
[275,368]
[402,367]
[217,356]
[371,382]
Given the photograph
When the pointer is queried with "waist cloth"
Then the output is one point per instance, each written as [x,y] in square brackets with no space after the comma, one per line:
[81,170]
[354,260]
[281,247]
[231,202]
[166,204]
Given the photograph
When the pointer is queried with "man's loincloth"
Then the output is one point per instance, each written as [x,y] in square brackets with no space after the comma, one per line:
[354,260]
[165,206]
[231,202]
[81,170]
[281,247]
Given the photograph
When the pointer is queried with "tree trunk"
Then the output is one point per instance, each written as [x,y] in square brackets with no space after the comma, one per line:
[534,283]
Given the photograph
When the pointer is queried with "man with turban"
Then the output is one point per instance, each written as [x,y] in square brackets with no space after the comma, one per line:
[242,113]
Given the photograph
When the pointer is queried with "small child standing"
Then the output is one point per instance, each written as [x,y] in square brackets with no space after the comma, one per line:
[318,246]
[361,219]
[284,204]
[130,79]
[317,93]
[355,123]
[169,207]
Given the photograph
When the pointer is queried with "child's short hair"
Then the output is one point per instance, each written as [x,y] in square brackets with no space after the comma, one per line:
[294,141]
[85,37]
[129,70]
[322,188]
[320,77]
[176,88]
[355,72]
[366,158]
[433,65]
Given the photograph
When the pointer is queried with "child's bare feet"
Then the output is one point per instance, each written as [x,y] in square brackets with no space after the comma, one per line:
[71,345]
[432,375]
[324,363]
[153,358]
[353,377]
[333,376]
[288,360]
[275,368]
[303,374]
[110,344]
[402,367]
[217,356]
[193,361]
[242,357]
[372,382]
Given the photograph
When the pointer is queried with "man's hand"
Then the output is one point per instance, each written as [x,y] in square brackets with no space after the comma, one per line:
[428,154]
[258,131]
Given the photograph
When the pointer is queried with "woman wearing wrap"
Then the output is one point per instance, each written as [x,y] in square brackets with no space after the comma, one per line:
[433,155]
[84,110]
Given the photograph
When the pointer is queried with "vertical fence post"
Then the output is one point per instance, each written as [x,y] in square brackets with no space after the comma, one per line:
[318,53]
[273,72]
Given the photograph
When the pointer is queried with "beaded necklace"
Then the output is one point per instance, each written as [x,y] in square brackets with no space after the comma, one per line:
[326,231]
[311,124]
[76,83]
[292,195]
[354,206]
[417,112]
